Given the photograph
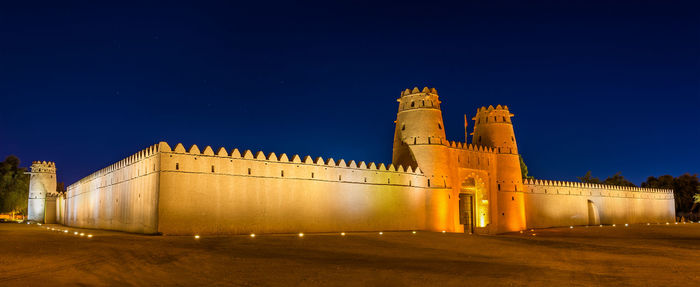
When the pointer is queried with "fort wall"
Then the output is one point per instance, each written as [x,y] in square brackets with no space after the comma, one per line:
[556,203]
[234,193]
[122,196]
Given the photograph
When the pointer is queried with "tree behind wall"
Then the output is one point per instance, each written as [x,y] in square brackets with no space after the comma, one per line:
[14,186]
[684,188]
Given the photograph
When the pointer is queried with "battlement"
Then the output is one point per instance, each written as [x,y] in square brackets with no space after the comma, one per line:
[416,91]
[499,114]
[43,167]
[556,183]
[284,158]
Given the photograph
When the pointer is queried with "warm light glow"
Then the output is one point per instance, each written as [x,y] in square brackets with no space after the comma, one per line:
[601,225]
[482,220]
[196,237]
[89,235]
[301,234]
[666,223]
[38,224]
[342,234]
[613,225]
[521,232]
[82,234]
[443,231]
[75,233]
[571,227]
[414,232]
[380,233]
[65,231]
[252,235]
[647,223]
[676,222]
[534,234]
[626,225]
[532,230]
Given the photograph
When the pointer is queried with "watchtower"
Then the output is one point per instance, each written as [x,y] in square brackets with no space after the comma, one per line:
[493,128]
[419,137]
[42,192]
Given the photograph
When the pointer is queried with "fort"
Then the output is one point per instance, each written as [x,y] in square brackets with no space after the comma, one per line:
[431,184]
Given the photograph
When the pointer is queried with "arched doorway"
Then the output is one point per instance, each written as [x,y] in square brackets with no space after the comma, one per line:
[473,204]
[593,217]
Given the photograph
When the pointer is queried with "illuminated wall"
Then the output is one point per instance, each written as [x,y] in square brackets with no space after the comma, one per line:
[207,193]
[122,196]
[555,203]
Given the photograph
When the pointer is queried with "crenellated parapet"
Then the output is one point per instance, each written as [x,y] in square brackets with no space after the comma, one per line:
[43,167]
[147,152]
[556,183]
[284,158]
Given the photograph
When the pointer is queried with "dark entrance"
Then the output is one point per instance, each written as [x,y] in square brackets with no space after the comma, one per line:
[466,212]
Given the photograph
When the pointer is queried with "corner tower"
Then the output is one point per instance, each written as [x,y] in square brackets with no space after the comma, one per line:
[493,128]
[42,192]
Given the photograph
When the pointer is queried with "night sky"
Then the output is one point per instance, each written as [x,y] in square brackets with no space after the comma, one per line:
[601,87]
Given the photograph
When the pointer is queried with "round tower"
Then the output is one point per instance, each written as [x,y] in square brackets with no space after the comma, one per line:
[419,130]
[42,185]
[493,128]
[419,142]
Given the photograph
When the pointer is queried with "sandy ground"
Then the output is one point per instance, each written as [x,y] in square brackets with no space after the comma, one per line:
[637,255]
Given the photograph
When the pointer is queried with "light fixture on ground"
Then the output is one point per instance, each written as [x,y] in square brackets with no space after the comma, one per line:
[380,233]
[342,234]
[626,225]
[301,234]
[414,232]
[252,235]
[571,227]
[196,237]
[82,234]
[443,231]
[75,233]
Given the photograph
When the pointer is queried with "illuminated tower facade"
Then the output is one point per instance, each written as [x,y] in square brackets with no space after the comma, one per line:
[42,192]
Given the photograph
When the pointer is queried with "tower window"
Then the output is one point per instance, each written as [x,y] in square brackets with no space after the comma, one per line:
[388,181]
[249,171]
[403,127]
[504,119]
[487,120]
[499,187]
[413,104]
[212,168]
[439,126]
[494,119]
[428,183]
[422,104]
[512,139]
[479,139]
[340,177]
[282,173]
[312,175]
[177,166]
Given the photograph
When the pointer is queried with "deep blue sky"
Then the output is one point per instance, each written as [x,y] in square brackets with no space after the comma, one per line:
[607,87]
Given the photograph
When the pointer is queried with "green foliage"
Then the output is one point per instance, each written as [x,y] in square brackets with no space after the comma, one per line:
[588,178]
[523,169]
[619,180]
[685,188]
[616,179]
[14,186]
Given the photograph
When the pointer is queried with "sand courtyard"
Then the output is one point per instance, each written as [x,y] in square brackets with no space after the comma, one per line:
[636,255]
